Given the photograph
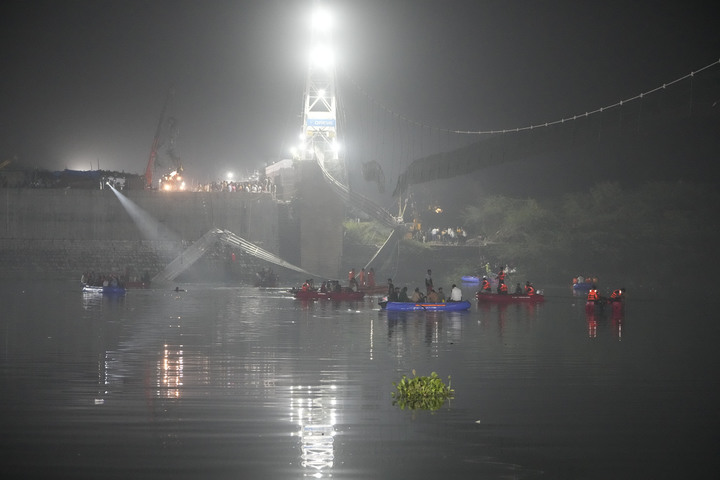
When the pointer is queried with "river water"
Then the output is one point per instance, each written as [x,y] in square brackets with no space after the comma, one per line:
[236,382]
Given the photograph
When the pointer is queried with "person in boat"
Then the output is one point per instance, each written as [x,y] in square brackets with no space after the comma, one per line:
[391,288]
[501,275]
[306,286]
[593,295]
[354,285]
[361,278]
[371,278]
[394,296]
[485,287]
[417,296]
[428,282]
[518,289]
[403,296]
[618,295]
[432,297]
[455,294]
[441,295]
[502,288]
[529,288]
[351,274]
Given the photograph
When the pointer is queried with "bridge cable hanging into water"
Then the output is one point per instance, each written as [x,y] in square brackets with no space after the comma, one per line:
[193,253]
[366,205]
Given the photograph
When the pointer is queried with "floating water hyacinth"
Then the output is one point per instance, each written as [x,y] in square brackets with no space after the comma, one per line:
[425,393]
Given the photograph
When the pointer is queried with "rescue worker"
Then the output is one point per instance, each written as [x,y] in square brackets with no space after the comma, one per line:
[501,275]
[593,295]
[485,286]
[502,288]
[617,295]
[371,277]
[529,288]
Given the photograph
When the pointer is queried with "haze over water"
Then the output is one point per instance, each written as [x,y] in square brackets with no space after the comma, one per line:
[237,382]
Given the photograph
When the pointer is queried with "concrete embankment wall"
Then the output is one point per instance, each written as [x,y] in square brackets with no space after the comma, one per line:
[65,232]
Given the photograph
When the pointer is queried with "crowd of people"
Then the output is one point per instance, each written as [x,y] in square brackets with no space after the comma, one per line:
[357,281]
[502,288]
[446,236]
[430,295]
[365,280]
[362,280]
[102,279]
[590,279]
[94,279]
[258,186]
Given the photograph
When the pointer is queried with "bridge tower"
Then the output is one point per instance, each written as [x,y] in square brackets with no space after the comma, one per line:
[320,211]
[320,125]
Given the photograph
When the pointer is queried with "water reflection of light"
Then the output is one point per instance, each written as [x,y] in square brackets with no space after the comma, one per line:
[314,410]
[92,300]
[592,327]
[170,371]
[372,336]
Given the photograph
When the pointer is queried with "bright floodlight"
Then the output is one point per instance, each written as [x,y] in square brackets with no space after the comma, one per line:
[322,57]
[322,21]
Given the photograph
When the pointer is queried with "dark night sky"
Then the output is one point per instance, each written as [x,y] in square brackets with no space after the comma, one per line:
[85,81]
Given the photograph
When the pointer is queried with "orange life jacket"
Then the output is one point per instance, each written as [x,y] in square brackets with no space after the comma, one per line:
[503,288]
[529,290]
[593,295]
